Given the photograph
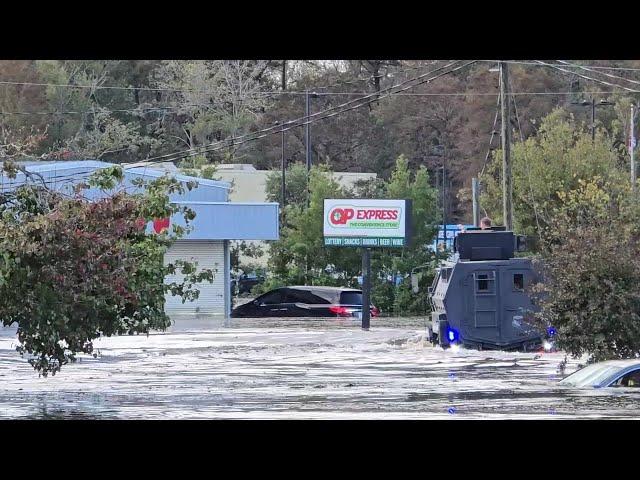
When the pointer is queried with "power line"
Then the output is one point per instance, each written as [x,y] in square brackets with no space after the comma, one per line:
[177,107]
[447,94]
[136,110]
[182,90]
[294,123]
[179,90]
[572,65]
[493,132]
[604,82]
[100,87]
[234,142]
[601,73]
[371,77]
[279,128]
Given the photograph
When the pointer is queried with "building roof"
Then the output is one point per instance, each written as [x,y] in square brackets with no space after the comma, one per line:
[150,172]
[40,167]
[81,167]
[245,167]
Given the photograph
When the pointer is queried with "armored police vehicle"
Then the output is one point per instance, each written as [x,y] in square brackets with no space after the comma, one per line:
[479,300]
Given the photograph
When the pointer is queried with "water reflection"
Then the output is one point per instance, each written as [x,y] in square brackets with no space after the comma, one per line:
[299,368]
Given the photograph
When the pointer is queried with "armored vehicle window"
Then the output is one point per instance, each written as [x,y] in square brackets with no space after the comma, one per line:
[485,282]
[518,281]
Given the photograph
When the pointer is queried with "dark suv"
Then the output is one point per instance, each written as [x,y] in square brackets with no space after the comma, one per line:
[305,301]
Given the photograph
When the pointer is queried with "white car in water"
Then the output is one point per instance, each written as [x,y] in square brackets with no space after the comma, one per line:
[612,373]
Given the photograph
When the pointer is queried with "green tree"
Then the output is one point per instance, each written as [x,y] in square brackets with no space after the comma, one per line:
[553,161]
[301,257]
[72,270]
[210,100]
[391,262]
[295,185]
[590,291]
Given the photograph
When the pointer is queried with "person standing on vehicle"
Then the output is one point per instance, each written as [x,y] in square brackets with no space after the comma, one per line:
[485,223]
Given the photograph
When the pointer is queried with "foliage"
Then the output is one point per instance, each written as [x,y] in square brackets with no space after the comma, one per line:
[554,161]
[163,107]
[250,250]
[72,270]
[199,166]
[295,185]
[590,292]
[211,99]
[300,256]
[403,184]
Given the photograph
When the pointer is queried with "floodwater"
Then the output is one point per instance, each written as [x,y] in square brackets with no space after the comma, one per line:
[298,369]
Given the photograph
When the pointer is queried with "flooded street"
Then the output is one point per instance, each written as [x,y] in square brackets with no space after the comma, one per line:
[298,369]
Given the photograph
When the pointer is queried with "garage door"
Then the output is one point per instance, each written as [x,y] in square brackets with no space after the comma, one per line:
[208,254]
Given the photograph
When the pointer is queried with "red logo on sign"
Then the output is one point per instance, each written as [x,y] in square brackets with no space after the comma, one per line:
[340,216]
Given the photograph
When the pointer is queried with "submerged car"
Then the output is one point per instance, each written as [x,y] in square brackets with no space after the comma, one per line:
[612,373]
[305,301]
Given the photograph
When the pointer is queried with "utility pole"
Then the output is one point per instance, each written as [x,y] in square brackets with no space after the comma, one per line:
[284,75]
[284,166]
[632,146]
[444,198]
[475,193]
[307,140]
[507,189]
[593,119]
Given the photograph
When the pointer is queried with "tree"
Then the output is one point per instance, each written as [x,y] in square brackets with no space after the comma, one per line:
[103,135]
[391,262]
[211,100]
[72,270]
[590,292]
[301,257]
[295,185]
[554,161]
[92,111]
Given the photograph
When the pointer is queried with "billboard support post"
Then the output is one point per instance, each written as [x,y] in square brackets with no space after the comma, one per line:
[366,288]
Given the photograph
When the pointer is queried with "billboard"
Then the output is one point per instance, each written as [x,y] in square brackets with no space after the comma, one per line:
[366,223]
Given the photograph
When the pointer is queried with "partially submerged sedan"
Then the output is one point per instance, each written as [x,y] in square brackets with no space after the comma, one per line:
[306,301]
[612,373]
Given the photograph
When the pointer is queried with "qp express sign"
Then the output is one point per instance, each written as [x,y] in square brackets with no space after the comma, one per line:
[366,223]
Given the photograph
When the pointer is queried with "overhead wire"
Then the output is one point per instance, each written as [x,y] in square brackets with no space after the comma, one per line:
[369,101]
[493,132]
[572,65]
[604,82]
[301,121]
[601,73]
[409,94]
